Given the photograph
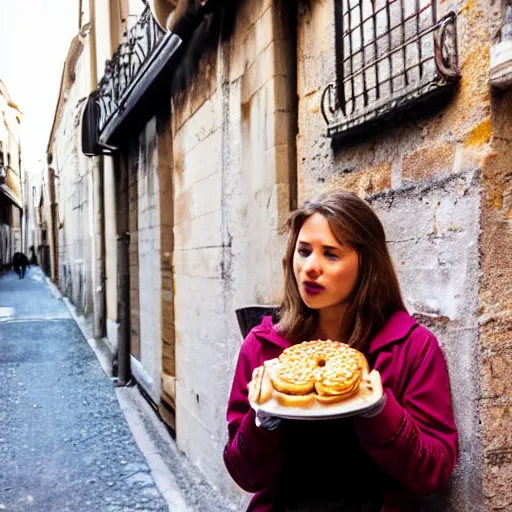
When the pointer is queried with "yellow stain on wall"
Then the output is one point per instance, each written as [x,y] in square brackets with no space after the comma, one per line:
[480,134]
[469,5]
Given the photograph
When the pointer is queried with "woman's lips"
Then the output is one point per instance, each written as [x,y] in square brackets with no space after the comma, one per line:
[312,288]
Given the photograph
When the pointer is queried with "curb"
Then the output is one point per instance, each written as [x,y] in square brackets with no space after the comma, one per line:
[136,411]
[101,347]
[55,291]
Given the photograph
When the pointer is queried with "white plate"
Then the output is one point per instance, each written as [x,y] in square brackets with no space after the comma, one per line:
[364,400]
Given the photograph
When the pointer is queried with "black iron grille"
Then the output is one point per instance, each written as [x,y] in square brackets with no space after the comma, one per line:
[389,54]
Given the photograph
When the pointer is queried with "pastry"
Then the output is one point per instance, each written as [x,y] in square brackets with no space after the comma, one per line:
[322,371]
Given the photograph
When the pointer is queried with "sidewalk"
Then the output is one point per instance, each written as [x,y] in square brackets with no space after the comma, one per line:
[70,440]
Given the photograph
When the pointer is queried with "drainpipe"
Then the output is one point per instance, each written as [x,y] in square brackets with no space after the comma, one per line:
[99,213]
[123,269]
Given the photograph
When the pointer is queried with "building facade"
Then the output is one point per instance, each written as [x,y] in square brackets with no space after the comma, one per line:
[212,121]
[11,203]
[70,176]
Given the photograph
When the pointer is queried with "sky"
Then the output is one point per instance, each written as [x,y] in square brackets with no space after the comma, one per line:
[34,40]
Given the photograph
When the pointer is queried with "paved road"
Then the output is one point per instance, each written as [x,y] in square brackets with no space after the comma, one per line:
[64,442]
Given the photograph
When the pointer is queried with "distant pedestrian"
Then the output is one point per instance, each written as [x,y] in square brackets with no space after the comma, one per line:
[33,257]
[20,263]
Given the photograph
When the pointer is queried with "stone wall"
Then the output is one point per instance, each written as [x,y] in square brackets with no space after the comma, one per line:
[496,309]
[149,258]
[165,174]
[133,200]
[234,166]
[440,182]
[73,189]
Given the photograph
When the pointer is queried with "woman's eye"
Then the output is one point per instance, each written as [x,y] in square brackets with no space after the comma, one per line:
[331,256]
[303,252]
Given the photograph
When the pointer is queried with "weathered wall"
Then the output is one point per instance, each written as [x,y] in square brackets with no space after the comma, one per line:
[10,232]
[10,151]
[233,151]
[73,195]
[109,203]
[133,195]
[433,181]
[496,310]
[165,175]
[149,259]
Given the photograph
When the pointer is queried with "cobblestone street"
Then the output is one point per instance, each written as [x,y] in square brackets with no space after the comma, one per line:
[64,442]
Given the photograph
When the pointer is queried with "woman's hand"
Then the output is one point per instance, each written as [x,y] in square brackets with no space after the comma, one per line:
[266,421]
[376,409]
[372,381]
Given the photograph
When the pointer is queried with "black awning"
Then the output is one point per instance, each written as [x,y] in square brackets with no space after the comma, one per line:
[90,127]
[11,196]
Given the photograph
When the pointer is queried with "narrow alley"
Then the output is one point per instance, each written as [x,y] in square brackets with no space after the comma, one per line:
[65,444]
[159,160]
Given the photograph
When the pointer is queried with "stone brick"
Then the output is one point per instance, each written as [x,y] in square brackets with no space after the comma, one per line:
[166,244]
[200,163]
[280,96]
[168,350]
[201,232]
[281,160]
[426,163]
[200,89]
[496,431]
[496,369]
[480,134]
[205,262]
[194,129]
[496,293]
[264,30]
[243,52]
[269,63]
[250,12]
[496,172]
[281,129]
[363,182]
[197,293]
[167,283]
[496,484]
[203,198]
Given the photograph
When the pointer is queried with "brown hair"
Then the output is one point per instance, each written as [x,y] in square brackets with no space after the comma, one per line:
[376,295]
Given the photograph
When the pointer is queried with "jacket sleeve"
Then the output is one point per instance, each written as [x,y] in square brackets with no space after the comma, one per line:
[253,456]
[415,439]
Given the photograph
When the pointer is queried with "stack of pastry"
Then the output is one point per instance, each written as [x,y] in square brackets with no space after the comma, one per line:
[322,371]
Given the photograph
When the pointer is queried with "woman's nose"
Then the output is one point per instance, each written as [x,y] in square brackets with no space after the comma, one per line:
[312,267]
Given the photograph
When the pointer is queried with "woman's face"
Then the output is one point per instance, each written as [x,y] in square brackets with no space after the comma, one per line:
[325,269]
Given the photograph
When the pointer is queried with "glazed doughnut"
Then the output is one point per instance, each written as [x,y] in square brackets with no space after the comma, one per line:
[324,371]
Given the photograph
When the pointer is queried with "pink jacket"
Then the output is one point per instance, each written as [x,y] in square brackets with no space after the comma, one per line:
[414,439]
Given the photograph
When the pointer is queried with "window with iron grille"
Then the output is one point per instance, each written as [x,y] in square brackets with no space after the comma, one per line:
[389,55]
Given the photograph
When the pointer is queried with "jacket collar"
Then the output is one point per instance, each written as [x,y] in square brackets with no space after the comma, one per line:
[267,331]
[399,325]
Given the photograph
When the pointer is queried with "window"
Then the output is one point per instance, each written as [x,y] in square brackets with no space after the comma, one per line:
[389,55]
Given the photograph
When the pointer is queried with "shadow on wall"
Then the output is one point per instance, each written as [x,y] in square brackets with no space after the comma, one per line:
[43,255]
[216,25]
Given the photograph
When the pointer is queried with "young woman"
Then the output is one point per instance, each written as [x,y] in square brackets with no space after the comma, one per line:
[340,285]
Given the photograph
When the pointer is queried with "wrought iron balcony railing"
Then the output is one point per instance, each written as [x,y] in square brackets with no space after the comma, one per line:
[124,67]
[137,78]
